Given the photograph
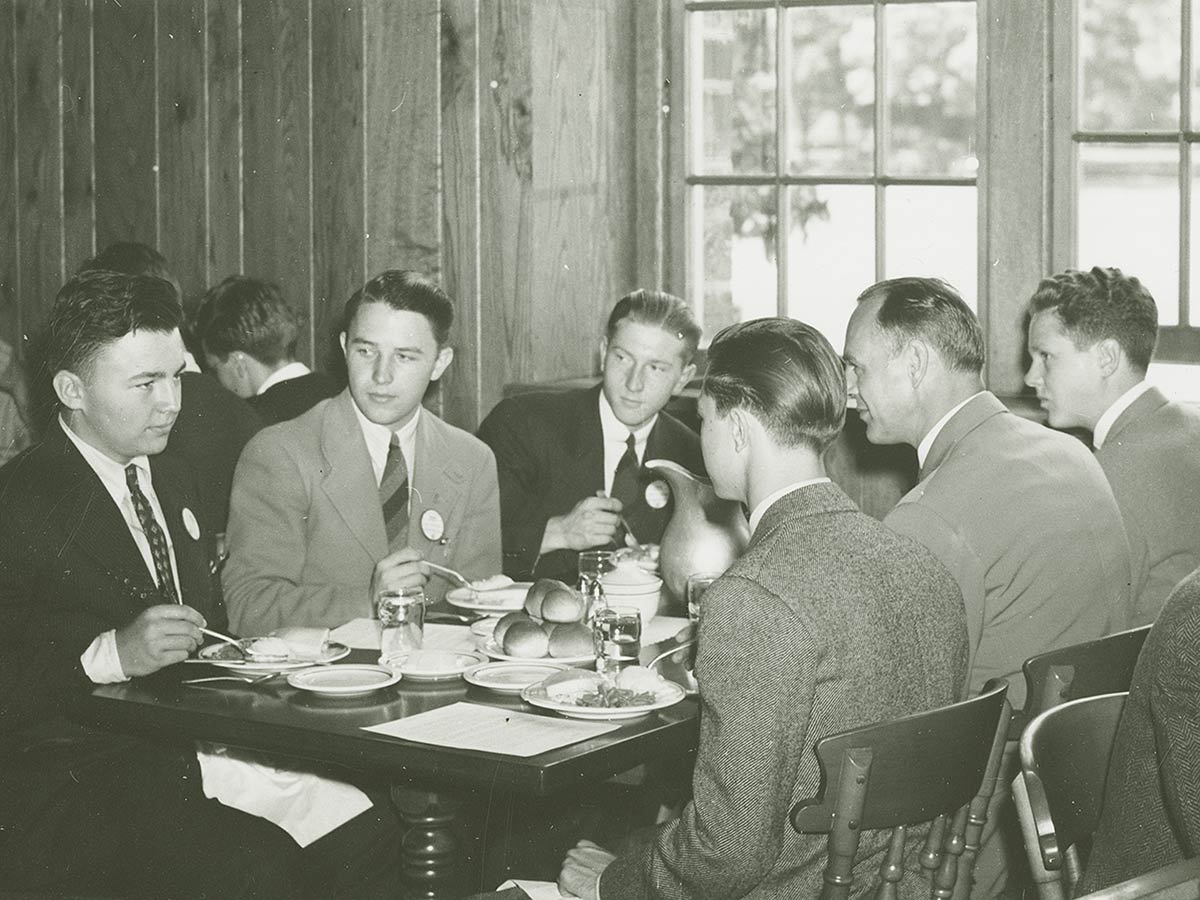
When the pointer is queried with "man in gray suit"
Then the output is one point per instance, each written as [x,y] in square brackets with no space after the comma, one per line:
[829,621]
[1091,336]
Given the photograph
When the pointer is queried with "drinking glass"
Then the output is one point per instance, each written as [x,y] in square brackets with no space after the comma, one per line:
[593,566]
[617,638]
[401,614]
[696,585]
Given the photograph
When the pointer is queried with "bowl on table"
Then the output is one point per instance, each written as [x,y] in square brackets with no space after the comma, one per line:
[631,585]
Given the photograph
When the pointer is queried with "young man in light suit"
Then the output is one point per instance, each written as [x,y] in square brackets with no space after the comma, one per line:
[351,497]
[1091,337]
[828,621]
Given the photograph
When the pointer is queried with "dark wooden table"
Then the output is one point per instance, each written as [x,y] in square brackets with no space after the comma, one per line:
[430,785]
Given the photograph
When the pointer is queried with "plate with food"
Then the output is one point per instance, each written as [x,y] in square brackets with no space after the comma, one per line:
[549,625]
[344,680]
[512,677]
[435,665]
[579,694]
[228,656]
[495,594]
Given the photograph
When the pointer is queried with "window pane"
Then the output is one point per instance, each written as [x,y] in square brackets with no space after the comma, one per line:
[1129,65]
[733,257]
[831,109]
[831,254]
[732,81]
[931,232]
[1129,216]
[930,86]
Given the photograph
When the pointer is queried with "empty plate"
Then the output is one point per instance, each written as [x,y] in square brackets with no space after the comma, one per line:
[345,679]
[510,677]
[435,665]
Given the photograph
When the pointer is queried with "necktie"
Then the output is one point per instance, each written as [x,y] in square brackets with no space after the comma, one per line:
[154,536]
[625,479]
[393,496]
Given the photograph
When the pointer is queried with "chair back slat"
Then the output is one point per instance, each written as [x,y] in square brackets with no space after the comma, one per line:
[908,771]
[1064,762]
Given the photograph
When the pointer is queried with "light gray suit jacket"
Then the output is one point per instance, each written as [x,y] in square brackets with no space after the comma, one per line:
[1152,459]
[1024,519]
[827,622]
[306,527]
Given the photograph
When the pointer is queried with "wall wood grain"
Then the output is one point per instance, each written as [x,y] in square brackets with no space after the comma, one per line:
[488,143]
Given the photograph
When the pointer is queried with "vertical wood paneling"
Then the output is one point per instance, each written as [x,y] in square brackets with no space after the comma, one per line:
[181,144]
[79,196]
[338,243]
[277,143]
[506,250]
[39,158]
[649,46]
[461,384]
[125,135]
[617,73]
[223,219]
[10,308]
[401,112]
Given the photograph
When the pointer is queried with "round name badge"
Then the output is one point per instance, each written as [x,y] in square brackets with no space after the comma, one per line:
[190,523]
[657,494]
[433,526]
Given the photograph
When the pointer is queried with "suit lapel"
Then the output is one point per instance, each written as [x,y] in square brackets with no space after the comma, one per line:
[350,483]
[587,460]
[191,560]
[437,485]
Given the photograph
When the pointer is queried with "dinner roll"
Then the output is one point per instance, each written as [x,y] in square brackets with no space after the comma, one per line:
[570,639]
[562,605]
[538,591]
[506,622]
[526,640]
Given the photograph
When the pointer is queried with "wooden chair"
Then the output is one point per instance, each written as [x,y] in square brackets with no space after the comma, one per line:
[1178,881]
[1064,766]
[1102,666]
[937,766]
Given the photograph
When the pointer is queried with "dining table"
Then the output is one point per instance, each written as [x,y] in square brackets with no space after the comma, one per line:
[456,805]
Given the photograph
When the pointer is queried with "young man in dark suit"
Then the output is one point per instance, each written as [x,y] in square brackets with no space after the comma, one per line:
[828,621]
[570,462]
[249,335]
[106,574]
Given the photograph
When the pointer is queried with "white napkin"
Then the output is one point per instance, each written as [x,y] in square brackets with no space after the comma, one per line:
[537,890]
[303,643]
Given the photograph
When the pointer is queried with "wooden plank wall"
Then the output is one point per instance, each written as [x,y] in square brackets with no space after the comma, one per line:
[489,143]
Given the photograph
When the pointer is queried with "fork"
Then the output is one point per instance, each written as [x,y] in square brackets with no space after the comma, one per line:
[444,570]
[258,679]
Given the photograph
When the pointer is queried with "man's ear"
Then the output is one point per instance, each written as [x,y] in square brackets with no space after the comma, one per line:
[917,360]
[1108,355]
[739,428]
[444,358]
[69,388]
[688,373]
[342,342]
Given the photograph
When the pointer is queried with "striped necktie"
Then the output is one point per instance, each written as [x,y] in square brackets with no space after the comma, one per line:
[393,496]
[625,482]
[154,536]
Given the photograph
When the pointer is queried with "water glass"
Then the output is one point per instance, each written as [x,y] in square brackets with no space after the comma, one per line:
[617,638]
[401,614]
[696,585]
[593,566]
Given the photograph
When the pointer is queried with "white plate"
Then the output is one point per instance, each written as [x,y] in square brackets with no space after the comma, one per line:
[500,600]
[511,677]
[494,651]
[343,680]
[333,651]
[436,665]
[666,694]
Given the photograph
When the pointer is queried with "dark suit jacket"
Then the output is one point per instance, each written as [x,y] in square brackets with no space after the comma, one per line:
[288,399]
[69,571]
[1151,813]
[550,455]
[827,622]
[212,428]
[1152,459]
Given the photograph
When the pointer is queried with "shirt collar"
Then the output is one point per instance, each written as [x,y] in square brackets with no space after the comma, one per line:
[110,472]
[617,431]
[1106,421]
[927,442]
[768,501]
[283,373]
[378,437]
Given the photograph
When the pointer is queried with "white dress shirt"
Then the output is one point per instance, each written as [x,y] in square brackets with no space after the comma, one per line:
[771,499]
[379,438]
[927,441]
[1106,421]
[616,436]
[283,373]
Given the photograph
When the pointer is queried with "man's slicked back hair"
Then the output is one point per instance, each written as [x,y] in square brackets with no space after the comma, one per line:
[248,315]
[1100,304]
[404,289]
[662,310]
[786,373]
[929,309]
[97,308]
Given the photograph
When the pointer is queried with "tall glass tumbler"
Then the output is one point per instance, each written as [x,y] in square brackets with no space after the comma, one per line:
[401,614]
[617,637]
[697,584]
[593,566]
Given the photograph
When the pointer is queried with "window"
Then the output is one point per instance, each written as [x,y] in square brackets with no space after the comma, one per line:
[829,144]
[1129,146]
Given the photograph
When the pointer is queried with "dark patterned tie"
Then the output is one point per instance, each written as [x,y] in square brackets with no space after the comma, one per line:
[154,536]
[393,495]
[625,481]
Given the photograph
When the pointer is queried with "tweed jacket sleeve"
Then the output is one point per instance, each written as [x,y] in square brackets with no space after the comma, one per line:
[728,837]
[1175,710]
